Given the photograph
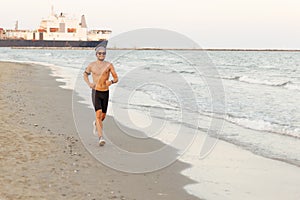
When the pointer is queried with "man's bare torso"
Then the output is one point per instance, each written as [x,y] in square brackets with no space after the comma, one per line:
[100,73]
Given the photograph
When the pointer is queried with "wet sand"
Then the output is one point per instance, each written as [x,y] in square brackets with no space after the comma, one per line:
[42,156]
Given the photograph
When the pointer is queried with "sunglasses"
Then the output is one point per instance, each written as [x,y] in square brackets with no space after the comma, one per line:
[101,53]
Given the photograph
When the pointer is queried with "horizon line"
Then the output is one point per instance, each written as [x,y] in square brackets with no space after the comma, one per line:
[206,49]
[173,49]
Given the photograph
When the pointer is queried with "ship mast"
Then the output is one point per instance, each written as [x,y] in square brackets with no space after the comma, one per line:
[52,10]
[83,22]
[17,25]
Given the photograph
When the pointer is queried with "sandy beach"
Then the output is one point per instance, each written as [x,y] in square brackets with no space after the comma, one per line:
[42,156]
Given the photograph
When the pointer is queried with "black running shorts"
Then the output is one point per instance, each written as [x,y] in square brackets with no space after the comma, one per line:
[100,100]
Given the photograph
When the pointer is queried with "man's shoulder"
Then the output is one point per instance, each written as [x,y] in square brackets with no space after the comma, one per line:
[92,64]
[108,64]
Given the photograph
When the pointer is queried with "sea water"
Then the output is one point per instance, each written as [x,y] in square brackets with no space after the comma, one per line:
[260,109]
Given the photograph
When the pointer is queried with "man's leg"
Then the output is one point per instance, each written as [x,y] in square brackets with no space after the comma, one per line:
[99,123]
[103,115]
[104,104]
[101,101]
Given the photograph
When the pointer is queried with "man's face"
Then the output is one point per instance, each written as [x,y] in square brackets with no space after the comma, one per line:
[101,55]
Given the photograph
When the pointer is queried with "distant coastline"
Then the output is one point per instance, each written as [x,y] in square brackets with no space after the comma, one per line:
[205,49]
[161,49]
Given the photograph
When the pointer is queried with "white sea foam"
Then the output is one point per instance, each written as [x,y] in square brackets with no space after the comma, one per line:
[262,82]
[246,79]
[67,76]
[261,125]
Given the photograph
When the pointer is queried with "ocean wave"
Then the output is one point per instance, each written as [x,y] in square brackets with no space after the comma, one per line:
[261,125]
[247,79]
[170,71]
[230,77]
[268,67]
[48,54]
[183,72]
[285,84]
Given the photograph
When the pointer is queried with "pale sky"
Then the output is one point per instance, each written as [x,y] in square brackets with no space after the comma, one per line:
[210,23]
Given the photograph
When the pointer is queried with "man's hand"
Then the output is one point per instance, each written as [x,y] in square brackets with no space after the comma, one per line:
[108,83]
[92,85]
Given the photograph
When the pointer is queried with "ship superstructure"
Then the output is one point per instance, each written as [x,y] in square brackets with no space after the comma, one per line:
[56,30]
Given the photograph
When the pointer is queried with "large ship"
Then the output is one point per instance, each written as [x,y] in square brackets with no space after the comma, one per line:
[58,30]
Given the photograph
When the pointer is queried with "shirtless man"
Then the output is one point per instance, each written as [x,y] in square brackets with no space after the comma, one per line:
[100,71]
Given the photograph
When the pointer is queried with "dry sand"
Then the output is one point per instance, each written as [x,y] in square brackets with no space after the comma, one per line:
[41,154]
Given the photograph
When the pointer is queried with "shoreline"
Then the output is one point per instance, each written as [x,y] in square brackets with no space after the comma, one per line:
[43,156]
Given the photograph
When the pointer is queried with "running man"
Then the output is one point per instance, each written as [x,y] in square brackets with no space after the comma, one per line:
[100,71]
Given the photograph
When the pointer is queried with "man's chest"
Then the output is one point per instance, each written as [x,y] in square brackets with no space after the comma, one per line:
[100,70]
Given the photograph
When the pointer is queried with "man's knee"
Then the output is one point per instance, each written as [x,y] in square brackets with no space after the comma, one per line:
[99,115]
[103,116]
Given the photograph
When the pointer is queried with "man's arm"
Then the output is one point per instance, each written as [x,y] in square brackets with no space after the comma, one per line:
[114,74]
[86,74]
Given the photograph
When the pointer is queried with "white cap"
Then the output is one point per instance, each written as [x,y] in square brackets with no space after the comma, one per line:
[100,48]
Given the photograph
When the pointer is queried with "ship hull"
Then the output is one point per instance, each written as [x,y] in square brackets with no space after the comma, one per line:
[50,43]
